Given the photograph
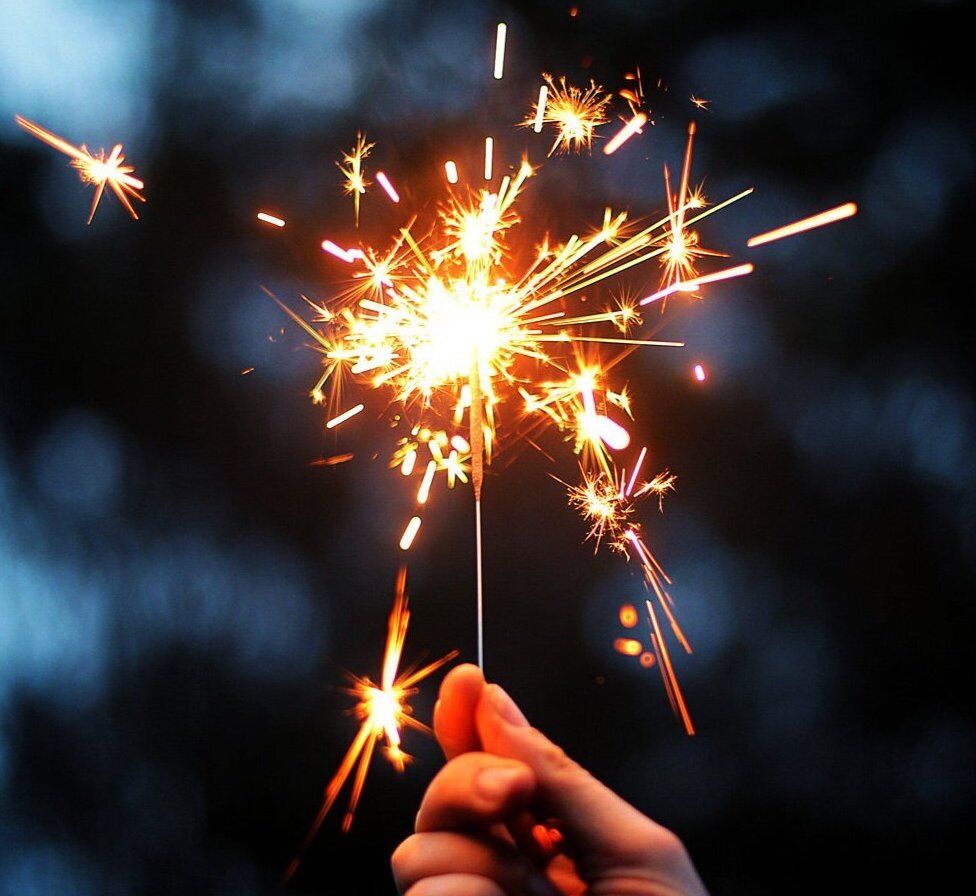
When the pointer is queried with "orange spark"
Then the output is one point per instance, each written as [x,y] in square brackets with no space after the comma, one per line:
[344,416]
[828,217]
[100,170]
[383,712]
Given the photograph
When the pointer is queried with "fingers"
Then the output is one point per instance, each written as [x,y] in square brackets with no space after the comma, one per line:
[475,789]
[454,712]
[428,864]
[600,828]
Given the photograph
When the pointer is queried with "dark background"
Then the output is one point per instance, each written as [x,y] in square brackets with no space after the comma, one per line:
[182,589]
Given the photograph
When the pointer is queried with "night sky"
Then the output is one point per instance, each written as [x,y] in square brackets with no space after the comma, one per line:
[183,588]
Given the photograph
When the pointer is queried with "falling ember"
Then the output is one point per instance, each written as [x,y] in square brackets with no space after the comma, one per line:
[100,170]
[699,372]
[410,533]
[343,417]
[500,50]
[383,712]
[271,219]
[384,182]
[828,217]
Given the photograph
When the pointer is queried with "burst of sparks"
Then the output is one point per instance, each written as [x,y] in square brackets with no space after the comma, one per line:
[101,170]
[383,713]
[351,167]
[470,330]
[576,113]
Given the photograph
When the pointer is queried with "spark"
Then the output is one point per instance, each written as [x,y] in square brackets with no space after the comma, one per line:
[388,188]
[451,171]
[271,219]
[699,102]
[625,133]
[410,533]
[100,170]
[351,167]
[847,210]
[576,113]
[699,372]
[500,50]
[343,417]
[489,156]
[383,712]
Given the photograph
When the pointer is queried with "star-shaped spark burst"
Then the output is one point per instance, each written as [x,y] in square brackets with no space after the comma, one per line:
[576,113]
[100,170]
[383,711]
[351,167]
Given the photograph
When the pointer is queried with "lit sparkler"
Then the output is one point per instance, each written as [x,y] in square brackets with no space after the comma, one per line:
[470,331]
[101,170]
[383,712]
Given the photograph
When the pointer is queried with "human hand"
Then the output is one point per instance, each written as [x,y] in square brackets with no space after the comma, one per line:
[510,814]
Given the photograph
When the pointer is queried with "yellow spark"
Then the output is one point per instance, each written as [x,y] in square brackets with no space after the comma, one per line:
[489,156]
[576,113]
[383,712]
[700,103]
[540,109]
[451,171]
[846,210]
[100,170]
[351,167]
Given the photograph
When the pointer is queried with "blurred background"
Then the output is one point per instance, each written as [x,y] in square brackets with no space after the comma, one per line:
[183,587]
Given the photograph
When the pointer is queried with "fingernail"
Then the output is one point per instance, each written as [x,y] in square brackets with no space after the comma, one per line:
[506,707]
[495,782]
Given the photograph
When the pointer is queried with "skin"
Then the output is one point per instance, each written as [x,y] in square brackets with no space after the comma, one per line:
[510,814]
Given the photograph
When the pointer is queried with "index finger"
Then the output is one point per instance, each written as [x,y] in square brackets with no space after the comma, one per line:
[454,713]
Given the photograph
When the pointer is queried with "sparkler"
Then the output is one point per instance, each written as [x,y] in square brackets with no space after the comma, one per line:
[383,711]
[477,338]
[100,170]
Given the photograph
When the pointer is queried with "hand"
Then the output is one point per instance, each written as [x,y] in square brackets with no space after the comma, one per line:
[510,814]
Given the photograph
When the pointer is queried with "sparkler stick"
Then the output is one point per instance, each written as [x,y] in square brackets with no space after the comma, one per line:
[100,170]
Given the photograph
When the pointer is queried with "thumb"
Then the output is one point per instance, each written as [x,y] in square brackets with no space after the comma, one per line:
[602,831]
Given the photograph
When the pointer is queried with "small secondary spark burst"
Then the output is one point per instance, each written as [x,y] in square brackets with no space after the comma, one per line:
[100,170]
[383,712]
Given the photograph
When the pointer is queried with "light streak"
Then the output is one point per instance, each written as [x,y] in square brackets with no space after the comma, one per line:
[500,51]
[699,372]
[343,417]
[100,170]
[540,109]
[489,156]
[847,210]
[388,188]
[451,171]
[409,533]
[271,219]
[383,712]
[625,133]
